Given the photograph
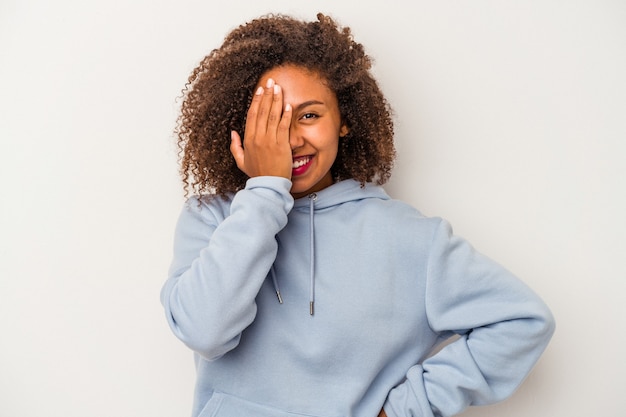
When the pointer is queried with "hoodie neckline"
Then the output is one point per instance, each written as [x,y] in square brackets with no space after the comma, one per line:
[342,192]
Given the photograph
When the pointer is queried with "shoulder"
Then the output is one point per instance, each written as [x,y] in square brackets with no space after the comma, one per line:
[401,220]
[398,211]
[206,208]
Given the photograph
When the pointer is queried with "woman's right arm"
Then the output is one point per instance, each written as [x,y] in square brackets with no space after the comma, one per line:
[221,260]
[220,265]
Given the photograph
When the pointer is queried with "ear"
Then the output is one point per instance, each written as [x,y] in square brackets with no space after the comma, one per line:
[343,131]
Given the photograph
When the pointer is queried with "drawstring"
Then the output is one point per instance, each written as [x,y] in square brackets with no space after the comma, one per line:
[275,281]
[312,198]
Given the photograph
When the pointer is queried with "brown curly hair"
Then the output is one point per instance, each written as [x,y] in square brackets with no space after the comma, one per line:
[220,89]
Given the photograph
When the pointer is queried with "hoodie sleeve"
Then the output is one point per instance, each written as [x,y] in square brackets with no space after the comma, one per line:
[503,326]
[219,265]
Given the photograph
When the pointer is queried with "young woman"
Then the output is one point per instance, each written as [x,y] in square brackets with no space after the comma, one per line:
[301,286]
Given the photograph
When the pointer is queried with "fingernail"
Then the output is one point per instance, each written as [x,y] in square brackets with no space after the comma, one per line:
[276,88]
[287,107]
[259,91]
[270,83]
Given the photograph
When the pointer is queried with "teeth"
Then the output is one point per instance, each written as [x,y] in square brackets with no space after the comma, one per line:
[300,162]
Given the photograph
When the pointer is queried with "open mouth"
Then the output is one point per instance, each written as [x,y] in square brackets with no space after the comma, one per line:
[301,164]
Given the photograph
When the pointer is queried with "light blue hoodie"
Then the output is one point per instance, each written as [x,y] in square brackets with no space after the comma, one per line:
[387,285]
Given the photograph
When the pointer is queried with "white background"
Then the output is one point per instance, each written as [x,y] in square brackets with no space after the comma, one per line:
[510,121]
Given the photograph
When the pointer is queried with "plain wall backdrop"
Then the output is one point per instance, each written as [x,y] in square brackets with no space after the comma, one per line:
[510,122]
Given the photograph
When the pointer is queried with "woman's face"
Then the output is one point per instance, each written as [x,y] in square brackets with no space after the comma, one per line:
[315,126]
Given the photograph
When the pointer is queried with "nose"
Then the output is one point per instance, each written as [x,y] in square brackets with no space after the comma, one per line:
[296,140]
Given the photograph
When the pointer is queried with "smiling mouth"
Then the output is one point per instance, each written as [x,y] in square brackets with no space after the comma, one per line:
[300,164]
[297,163]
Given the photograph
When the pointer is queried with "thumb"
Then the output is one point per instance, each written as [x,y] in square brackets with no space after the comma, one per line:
[236,149]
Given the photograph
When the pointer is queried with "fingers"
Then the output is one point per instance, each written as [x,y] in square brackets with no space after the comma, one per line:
[251,118]
[282,135]
[265,148]
[270,109]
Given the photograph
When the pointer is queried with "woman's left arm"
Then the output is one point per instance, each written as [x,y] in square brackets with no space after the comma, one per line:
[503,325]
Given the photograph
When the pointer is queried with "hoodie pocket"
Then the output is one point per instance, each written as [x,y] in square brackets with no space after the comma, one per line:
[224,405]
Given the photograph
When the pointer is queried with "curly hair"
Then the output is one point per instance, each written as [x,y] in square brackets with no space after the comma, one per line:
[219,91]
